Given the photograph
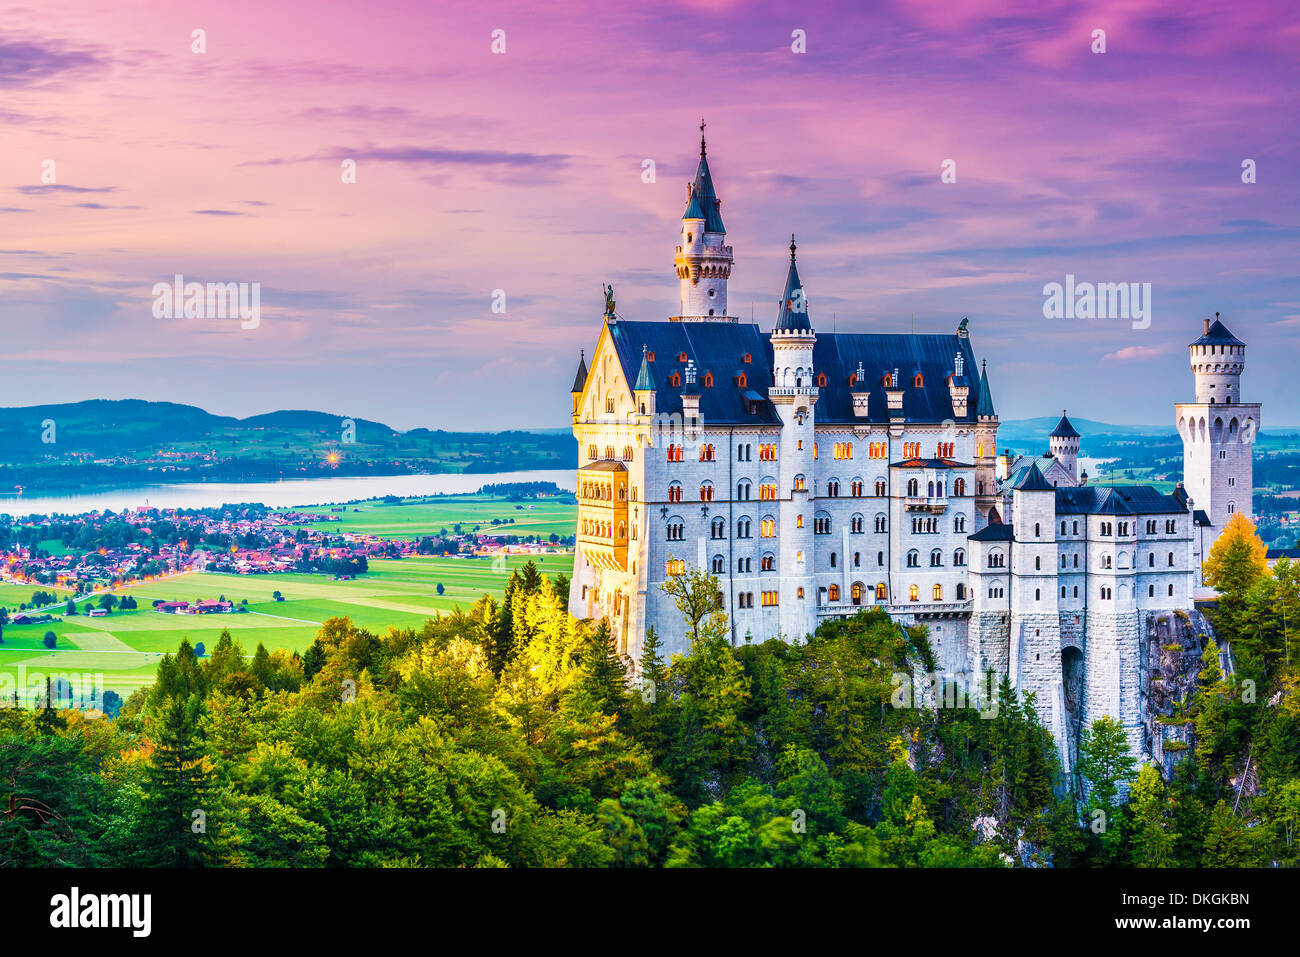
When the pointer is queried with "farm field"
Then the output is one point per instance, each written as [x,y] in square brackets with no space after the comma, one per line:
[125,647]
[542,517]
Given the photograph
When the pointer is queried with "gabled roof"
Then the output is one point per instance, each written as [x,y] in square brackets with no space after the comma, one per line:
[1033,481]
[1064,430]
[1218,335]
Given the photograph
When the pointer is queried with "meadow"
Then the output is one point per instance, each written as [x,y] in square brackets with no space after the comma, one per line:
[417,517]
[125,646]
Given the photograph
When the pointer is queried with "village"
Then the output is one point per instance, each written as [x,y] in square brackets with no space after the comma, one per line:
[101,551]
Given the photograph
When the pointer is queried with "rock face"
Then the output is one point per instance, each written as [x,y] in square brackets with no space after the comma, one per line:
[1171,659]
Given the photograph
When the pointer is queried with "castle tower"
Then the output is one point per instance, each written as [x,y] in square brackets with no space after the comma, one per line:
[703,260]
[1218,430]
[1063,444]
[794,394]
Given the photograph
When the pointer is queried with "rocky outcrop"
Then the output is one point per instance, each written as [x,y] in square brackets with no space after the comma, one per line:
[1171,659]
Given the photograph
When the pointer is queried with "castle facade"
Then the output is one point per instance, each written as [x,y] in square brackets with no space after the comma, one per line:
[816,474]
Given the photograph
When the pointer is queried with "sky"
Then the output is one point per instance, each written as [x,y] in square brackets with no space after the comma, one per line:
[482,173]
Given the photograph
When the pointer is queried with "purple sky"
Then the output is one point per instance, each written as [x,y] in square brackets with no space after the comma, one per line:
[522,172]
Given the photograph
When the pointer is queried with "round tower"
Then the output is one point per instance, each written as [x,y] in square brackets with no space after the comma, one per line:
[1217,359]
[703,260]
[1063,445]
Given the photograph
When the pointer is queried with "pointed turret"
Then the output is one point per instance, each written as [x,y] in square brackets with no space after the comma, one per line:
[645,380]
[984,408]
[579,382]
[1063,444]
[1064,430]
[793,316]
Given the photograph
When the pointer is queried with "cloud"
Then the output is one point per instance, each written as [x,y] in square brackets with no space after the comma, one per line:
[1130,353]
[23,63]
[424,156]
[45,188]
[218,212]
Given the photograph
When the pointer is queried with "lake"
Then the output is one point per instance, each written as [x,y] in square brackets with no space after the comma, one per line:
[291,492]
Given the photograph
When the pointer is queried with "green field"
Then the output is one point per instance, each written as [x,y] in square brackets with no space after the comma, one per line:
[125,647]
[422,517]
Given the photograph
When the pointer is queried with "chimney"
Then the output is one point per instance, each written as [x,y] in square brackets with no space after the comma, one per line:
[1207,327]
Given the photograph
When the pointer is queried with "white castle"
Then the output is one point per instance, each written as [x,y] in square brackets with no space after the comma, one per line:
[819,474]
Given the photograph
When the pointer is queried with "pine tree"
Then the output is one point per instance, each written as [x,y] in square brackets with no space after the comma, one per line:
[176,785]
[604,675]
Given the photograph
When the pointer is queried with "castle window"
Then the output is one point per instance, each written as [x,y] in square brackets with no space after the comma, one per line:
[768,528]
[913,559]
[719,528]
[674,566]
[627,453]
[708,453]
[834,559]
[675,492]
[880,559]
[719,564]
[833,489]
[1171,558]
[961,592]
[1062,591]
[880,486]
[822,524]
[768,563]
[708,376]
[913,593]
[799,594]
[959,557]
[676,531]
[1171,590]
[855,524]
[650,357]
[1076,595]
[746,358]
[1038,593]
[1151,591]
[1151,560]
[1062,528]
[798,521]
[855,488]
[937,593]
[913,488]
[770,598]
[936,558]
[959,487]
[834,592]
[857,559]
[742,381]
[821,379]
[801,483]
[1038,530]
[743,528]
[856,593]
[1038,563]
[681,357]
[918,381]
[706,492]
[881,592]
[675,380]
[742,490]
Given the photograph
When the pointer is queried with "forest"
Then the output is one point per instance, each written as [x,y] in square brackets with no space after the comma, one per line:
[511,734]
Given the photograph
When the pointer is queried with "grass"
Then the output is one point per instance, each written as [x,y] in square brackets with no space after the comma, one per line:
[125,647]
[423,517]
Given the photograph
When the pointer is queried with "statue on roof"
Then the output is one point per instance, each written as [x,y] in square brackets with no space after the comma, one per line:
[961,327]
[609,300]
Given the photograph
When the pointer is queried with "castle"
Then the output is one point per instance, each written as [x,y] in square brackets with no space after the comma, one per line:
[818,474]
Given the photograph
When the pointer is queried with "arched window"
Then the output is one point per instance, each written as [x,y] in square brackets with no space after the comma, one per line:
[880,486]
[1171,558]
[913,488]
[719,564]
[833,592]
[959,487]
[856,593]
[961,592]
[913,593]
[882,592]
[706,492]
[913,559]
[1038,530]
[936,558]
[719,528]
[959,558]
[834,559]
[937,593]
[675,492]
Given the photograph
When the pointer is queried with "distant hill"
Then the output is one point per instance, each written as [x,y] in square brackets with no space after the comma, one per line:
[102,442]
[1019,430]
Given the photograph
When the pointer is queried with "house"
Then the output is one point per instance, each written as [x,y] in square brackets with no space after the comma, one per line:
[172,607]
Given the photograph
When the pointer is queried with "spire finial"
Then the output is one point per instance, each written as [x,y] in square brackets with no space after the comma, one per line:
[792,247]
[702,125]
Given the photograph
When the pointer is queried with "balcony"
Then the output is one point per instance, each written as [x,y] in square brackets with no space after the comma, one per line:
[809,390]
[934,504]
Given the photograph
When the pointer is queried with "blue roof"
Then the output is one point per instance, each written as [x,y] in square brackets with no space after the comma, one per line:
[984,407]
[645,380]
[1218,335]
[1064,430]
[702,194]
[580,378]
[993,532]
[793,315]
[720,347]
[1117,500]
[1033,481]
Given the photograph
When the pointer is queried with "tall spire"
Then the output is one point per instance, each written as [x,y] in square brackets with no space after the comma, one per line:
[703,259]
[794,304]
[702,125]
[702,192]
[984,408]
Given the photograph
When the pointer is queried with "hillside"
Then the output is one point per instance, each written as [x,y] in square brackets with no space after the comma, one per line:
[103,443]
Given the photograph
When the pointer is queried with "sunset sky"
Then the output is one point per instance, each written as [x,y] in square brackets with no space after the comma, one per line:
[522,172]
